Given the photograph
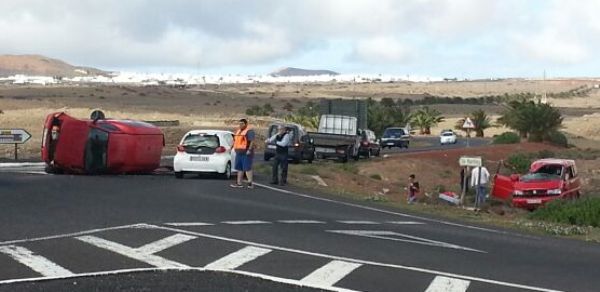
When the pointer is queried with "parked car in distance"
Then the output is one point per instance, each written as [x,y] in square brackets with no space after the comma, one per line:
[205,151]
[99,145]
[301,146]
[547,180]
[448,137]
[369,145]
[395,137]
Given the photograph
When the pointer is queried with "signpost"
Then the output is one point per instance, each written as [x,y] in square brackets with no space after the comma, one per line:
[14,136]
[468,125]
[468,161]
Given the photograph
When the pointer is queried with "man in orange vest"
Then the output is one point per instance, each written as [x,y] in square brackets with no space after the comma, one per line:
[243,145]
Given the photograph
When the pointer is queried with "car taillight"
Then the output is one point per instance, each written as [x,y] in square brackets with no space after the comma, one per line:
[220,149]
[365,143]
[180,148]
[296,145]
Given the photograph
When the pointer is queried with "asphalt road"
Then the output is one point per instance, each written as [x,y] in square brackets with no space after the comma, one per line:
[434,144]
[112,227]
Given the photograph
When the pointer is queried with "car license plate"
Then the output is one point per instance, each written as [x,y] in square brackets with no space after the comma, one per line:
[271,146]
[390,143]
[198,158]
[534,201]
[324,150]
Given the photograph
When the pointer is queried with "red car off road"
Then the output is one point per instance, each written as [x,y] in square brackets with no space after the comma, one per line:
[547,180]
[100,145]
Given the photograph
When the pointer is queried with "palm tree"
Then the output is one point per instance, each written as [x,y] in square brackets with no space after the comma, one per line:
[532,120]
[425,118]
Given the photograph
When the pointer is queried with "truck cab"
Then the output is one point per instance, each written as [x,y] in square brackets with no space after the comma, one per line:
[547,180]
[100,145]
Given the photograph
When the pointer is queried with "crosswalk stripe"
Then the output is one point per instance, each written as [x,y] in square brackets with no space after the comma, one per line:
[330,273]
[301,222]
[165,243]
[358,222]
[130,252]
[246,222]
[37,263]
[238,258]
[446,284]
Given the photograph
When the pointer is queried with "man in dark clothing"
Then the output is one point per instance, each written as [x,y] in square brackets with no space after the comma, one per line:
[282,141]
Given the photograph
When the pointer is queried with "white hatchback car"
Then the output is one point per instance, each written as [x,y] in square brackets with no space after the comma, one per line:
[447,137]
[205,151]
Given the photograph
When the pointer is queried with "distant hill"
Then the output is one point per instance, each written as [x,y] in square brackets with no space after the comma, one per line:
[42,66]
[289,71]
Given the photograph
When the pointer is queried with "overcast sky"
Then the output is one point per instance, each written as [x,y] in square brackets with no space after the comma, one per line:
[444,38]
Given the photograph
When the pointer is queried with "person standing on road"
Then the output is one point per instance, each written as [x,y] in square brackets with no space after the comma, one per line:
[480,177]
[282,142]
[243,145]
[413,188]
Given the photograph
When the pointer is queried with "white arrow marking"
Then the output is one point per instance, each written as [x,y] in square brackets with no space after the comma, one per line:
[445,284]
[238,258]
[393,236]
[37,263]
[330,273]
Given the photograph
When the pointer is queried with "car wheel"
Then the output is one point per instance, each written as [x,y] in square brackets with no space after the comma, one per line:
[227,173]
[179,174]
[267,157]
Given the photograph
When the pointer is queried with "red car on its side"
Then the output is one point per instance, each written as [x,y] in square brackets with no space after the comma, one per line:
[547,180]
[100,145]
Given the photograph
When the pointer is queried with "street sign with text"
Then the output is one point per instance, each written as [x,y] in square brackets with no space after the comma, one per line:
[14,136]
[473,161]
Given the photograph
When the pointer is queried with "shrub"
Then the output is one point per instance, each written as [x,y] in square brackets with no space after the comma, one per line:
[585,212]
[507,138]
[519,162]
[557,138]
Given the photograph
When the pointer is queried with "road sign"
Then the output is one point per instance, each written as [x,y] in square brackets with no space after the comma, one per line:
[14,136]
[468,124]
[473,161]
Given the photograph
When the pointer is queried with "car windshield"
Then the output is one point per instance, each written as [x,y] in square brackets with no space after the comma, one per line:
[393,133]
[273,130]
[201,140]
[544,173]
[447,134]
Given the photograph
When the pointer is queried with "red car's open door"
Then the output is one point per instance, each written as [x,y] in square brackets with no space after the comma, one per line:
[503,187]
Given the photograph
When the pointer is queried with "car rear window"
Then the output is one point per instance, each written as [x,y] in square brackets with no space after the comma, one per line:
[447,134]
[201,140]
[393,132]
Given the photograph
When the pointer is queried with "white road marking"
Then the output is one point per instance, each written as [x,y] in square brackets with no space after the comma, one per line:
[74,234]
[246,222]
[358,222]
[21,164]
[330,273]
[445,284]
[176,224]
[165,243]
[238,258]
[288,192]
[37,263]
[145,270]
[390,235]
[301,222]
[130,252]
[404,222]
[364,262]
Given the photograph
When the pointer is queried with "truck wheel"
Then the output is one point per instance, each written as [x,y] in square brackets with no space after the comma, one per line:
[179,174]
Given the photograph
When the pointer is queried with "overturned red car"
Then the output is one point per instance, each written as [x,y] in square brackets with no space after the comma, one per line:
[547,180]
[99,145]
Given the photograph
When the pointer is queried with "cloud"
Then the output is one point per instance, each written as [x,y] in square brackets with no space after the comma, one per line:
[382,50]
[219,33]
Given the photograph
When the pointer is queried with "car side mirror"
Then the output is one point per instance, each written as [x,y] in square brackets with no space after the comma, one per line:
[514,177]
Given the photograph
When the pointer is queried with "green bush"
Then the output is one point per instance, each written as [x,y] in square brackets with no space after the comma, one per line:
[557,138]
[585,212]
[519,162]
[507,138]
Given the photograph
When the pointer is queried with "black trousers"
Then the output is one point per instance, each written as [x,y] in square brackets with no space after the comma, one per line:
[280,160]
